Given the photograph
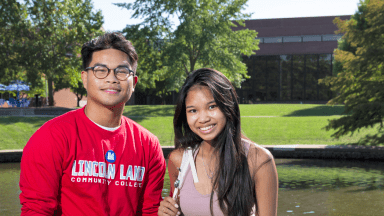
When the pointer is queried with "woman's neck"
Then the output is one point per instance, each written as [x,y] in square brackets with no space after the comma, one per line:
[207,147]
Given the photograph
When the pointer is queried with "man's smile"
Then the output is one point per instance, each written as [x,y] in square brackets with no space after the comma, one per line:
[111,90]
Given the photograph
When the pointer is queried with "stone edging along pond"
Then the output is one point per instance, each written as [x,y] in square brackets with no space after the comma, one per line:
[278,151]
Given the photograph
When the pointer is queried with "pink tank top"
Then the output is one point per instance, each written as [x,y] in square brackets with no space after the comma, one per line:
[194,203]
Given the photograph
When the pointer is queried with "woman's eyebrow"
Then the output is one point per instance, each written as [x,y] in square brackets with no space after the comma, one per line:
[213,101]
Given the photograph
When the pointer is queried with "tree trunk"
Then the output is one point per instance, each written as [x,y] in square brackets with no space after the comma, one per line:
[163,97]
[79,99]
[50,92]
[192,62]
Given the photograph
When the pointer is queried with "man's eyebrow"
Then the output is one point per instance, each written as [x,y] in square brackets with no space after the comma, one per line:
[124,65]
[99,64]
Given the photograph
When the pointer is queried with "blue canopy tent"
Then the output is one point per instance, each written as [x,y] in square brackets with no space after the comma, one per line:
[18,86]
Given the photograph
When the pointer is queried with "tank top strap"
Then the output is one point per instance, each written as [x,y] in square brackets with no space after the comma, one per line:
[246,145]
[196,152]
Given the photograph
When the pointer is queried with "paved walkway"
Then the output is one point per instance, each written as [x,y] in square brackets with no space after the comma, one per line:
[298,151]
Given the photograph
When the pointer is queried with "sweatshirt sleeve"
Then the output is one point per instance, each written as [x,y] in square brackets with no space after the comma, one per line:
[153,189]
[41,171]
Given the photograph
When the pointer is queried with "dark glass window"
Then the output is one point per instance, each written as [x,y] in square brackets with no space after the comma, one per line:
[325,70]
[311,77]
[273,78]
[286,78]
[298,77]
[254,89]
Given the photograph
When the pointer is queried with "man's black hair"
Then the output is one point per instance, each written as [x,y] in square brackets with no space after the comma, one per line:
[110,40]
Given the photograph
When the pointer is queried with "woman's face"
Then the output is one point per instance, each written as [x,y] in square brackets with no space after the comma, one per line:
[204,117]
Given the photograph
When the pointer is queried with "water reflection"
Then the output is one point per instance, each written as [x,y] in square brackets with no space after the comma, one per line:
[330,187]
[9,189]
[329,174]
[307,187]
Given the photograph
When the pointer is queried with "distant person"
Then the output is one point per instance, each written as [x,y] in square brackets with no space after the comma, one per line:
[231,174]
[94,160]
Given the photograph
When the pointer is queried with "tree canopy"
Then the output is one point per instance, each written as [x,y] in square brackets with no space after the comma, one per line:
[12,24]
[358,72]
[202,38]
[58,30]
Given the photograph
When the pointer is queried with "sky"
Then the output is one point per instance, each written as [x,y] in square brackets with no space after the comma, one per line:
[116,18]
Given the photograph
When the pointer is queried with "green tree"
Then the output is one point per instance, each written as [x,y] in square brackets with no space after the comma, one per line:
[13,25]
[359,75]
[149,57]
[58,30]
[154,78]
[203,38]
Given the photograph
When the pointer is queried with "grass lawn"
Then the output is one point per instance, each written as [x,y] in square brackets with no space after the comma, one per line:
[16,131]
[292,124]
[294,110]
[295,130]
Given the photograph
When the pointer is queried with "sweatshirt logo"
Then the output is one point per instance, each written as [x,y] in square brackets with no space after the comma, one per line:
[105,173]
[110,156]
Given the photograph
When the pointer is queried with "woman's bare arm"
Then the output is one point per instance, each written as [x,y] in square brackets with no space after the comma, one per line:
[263,169]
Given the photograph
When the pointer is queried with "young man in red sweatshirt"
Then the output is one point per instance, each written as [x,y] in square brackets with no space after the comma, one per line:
[94,160]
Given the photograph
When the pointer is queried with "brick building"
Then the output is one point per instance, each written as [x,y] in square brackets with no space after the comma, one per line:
[294,53]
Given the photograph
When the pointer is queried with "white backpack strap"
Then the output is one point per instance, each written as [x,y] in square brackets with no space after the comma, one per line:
[193,167]
[187,160]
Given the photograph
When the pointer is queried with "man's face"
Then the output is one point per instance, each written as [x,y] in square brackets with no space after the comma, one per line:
[109,91]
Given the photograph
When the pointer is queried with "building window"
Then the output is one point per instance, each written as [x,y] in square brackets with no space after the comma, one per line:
[298,39]
[273,39]
[331,37]
[309,38]
[292,39]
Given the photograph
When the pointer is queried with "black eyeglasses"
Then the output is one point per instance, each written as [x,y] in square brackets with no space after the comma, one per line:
[121,73]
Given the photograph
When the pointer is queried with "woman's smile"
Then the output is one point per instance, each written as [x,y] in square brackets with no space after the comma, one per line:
[207,129]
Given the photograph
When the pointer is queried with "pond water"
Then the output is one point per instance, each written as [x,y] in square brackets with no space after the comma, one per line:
[307,187]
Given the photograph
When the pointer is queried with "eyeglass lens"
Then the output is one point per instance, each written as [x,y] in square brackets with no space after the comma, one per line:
[121,73]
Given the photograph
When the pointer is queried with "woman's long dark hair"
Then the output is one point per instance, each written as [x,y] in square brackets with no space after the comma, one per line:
[233,182]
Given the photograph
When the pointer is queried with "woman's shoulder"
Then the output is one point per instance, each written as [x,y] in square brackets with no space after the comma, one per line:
[176,156]
[257,154]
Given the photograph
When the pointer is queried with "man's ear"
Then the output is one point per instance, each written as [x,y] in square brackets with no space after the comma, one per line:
[84,78]
[135,81]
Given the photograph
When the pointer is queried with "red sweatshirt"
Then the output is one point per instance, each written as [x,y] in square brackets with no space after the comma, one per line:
[71,166]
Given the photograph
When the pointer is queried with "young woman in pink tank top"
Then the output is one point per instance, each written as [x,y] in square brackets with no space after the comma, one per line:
[235,176]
